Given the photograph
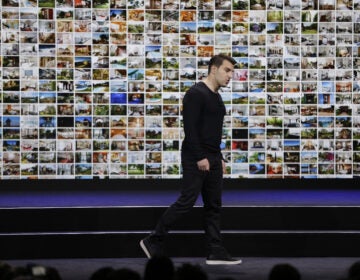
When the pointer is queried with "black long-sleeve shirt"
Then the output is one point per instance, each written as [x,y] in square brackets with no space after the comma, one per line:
[203,116]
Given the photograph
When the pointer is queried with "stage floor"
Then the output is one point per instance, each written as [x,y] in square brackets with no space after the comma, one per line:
[251,268]
[142,198]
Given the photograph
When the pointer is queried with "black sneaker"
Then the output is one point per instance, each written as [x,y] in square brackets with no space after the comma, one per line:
[221,256]
[150,247]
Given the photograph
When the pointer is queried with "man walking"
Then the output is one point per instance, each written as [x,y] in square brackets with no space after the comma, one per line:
[202,162]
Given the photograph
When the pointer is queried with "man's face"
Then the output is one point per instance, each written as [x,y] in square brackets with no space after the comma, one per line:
[224,73]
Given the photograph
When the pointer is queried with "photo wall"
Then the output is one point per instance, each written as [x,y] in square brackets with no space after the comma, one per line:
[93,89]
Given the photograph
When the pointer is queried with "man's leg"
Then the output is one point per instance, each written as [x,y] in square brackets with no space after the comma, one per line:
[211,193]
[192,182]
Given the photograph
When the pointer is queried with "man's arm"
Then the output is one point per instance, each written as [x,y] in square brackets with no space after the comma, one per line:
[192,118]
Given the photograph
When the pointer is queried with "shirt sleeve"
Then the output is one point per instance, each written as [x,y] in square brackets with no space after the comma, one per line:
[192,118]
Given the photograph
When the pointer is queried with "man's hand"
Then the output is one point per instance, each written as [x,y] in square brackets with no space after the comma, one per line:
[203,165]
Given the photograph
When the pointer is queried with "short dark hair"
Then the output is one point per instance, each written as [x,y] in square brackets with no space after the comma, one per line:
[218,59]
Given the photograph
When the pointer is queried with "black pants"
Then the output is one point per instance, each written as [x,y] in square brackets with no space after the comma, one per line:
[195,181]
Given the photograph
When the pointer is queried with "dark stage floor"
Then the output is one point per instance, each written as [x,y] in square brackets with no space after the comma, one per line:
[250,269]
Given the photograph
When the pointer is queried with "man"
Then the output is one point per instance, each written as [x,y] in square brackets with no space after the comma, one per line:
[202,162]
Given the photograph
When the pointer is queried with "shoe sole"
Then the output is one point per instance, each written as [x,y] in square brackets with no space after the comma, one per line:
[217,262]
[147,253]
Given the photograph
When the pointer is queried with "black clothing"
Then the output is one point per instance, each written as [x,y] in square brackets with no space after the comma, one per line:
[195,181]
[203,115]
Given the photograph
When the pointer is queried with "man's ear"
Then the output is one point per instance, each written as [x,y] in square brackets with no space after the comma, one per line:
[213,69]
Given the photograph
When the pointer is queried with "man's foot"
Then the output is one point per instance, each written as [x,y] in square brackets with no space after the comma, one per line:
[150,247]
[221,256]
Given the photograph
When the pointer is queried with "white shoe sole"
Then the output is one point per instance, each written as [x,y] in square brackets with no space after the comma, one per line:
[219,262]
[147,253]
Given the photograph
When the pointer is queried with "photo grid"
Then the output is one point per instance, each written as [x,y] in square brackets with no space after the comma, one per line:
[94,89]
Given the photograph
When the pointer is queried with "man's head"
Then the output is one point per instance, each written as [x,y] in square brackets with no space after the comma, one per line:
[221,69]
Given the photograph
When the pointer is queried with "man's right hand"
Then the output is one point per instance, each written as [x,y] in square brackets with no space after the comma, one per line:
[203,165]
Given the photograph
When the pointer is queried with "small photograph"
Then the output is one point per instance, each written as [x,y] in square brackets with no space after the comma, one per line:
[82,74]
[153,15]
[292,40]
[11,97]
[170,51]
[118,15]
[171,170]
[258,40]
[29,96]
[171,86]
[274,169]
[170,75]
[291,170]
[64,170]
[65,109]
[344,5]
[9,3]
[135,62]
[257,110]
[27,13]
[83,14]
[258,88]
[64,122]
[275,5]
[256,122]
[13,49]
[292,122]
[65,13]
[327,75]
[291,145]
[29,169]
[122,39]
[255,75]
[153,110]
[327,98]
[68,50]
[275,16]
[274,97]
[256,169]
[10,13]
[13,25]
[13,73]
[242,40]
[83,121]
[277,28]
[186,4]
[47,97]
[257,157]
[291,16]
[29,145]
[103,86]
[170,4]
[155,27]
[292,133]
[207,27]
[118,98]
[153,133]
[84,38]
[174,16]
[83,26]
[326,145]
[119,4]
[276,62]
[118,74]
[44,85]
[135,110]
[118,145]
